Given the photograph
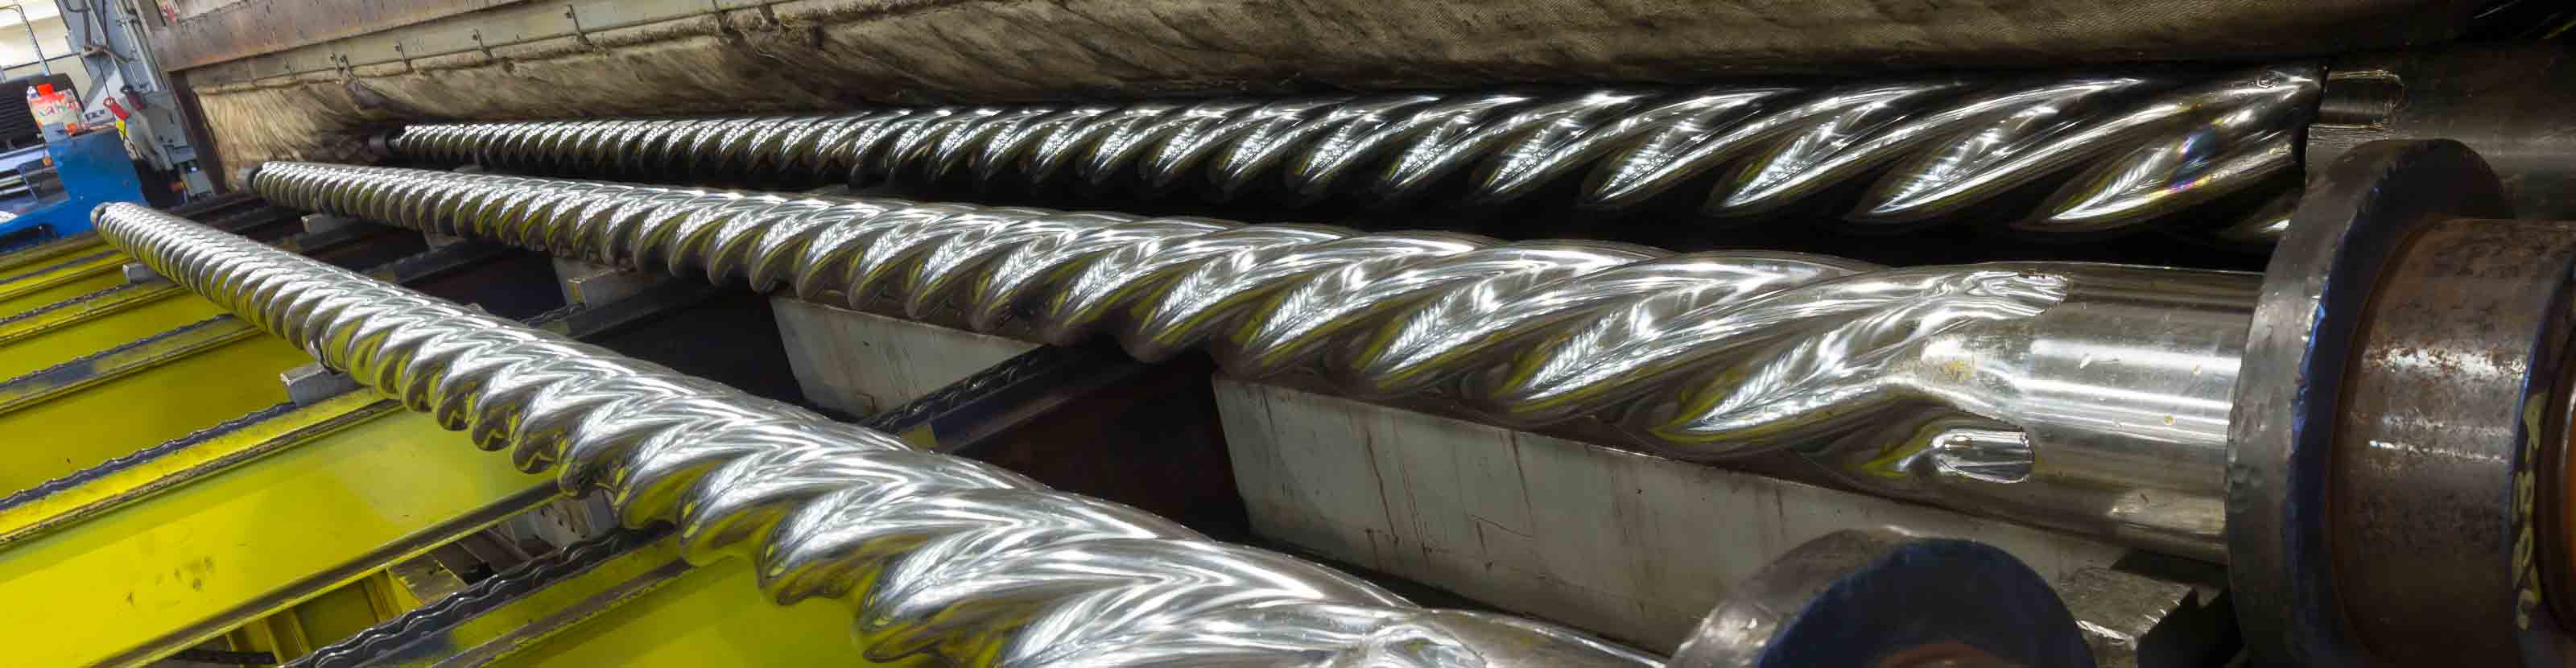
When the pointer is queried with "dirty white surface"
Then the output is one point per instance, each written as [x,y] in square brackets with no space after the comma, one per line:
[1633,547]
[860,363]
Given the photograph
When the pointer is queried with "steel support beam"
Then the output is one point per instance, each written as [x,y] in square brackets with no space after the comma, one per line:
[37,285]
[72,328]
[145,560]
[255,27]
[628,600]
[273,463]
[58,248]
[88,410]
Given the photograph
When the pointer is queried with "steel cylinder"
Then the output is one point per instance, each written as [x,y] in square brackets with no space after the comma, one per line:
[2395,445]
[944,560]
[2085,396]
[2053,156]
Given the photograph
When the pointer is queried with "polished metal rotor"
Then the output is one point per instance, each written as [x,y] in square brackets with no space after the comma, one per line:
[1945,384]
[946,561]
[2055,156]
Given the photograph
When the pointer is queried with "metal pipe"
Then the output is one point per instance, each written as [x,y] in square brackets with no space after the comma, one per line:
[2086,396]
[2067,155]
[32,41]
[945,560]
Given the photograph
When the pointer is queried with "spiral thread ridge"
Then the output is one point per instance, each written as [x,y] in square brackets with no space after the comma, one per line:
[1937,384]
[1771,348]
[946,561]
[2107,152]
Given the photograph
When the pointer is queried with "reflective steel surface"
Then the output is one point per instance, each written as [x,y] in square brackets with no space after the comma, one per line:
[945,561]
[2062,155]
[2085,396]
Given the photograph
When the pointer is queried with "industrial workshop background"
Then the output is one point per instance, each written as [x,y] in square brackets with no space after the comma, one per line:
[1324,333]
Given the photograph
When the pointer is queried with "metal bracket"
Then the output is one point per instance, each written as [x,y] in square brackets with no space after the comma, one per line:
[316,223]
[312,383]
[137,272]
[565,522]
[578,34]
[423,626]
[594,284]
[405,55]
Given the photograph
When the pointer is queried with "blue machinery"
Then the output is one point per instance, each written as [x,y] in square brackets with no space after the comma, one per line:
[92,169]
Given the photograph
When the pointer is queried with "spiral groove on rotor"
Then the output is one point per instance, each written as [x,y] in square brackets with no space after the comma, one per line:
[946,561]
[1914,383]
[2095,153]
[1773,346]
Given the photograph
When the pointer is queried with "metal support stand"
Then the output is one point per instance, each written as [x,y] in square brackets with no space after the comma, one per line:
[310,384]
[316,223]
[593,284]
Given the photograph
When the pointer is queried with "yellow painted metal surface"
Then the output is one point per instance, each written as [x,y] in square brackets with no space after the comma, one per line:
[329,618]
[70,417]
[277,534]
[337,614]
[40,254]
[278,635]
[67,330]
[105,491]
[265,519]
[649,608]
[29,288]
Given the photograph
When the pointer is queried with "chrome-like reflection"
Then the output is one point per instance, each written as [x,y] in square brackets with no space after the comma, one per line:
[2117,375]
[2108,152]
[944,561]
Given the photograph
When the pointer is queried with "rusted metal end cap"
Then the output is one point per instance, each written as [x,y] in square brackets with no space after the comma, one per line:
[2390,422]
